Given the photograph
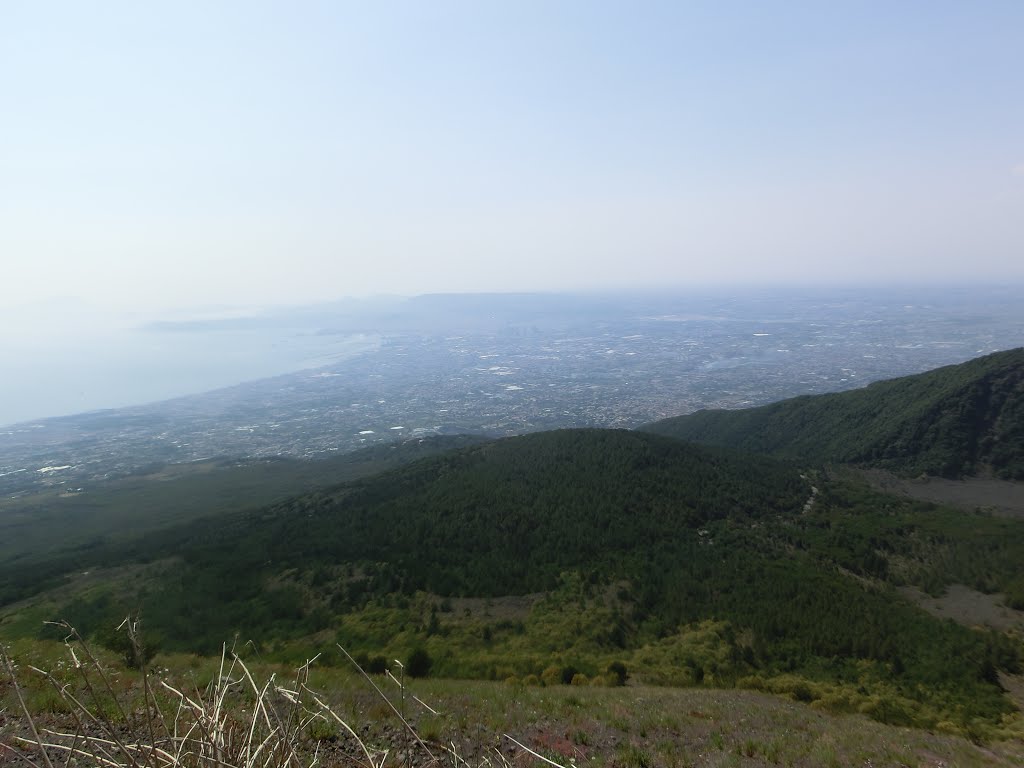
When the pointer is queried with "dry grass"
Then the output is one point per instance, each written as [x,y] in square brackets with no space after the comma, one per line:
[95,718]
[236,722]
[633,727]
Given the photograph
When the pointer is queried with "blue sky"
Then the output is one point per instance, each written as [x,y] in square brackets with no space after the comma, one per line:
[209,154]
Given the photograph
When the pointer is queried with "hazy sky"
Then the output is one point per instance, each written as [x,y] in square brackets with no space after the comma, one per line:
[156,155]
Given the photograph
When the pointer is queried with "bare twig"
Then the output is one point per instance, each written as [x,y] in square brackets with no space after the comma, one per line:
[9,668]
[535,754]
[388,702]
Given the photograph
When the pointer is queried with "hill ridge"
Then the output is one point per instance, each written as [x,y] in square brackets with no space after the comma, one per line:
[690,564]
[954,421]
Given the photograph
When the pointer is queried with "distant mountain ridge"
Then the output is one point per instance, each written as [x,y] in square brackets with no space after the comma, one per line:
[955,421]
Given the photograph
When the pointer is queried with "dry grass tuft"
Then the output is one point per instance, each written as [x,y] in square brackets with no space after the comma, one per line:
[235,722]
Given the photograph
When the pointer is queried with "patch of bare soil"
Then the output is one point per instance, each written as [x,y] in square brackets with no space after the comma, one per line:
[508,608]
[1014,687]
[969,607]
[999,497]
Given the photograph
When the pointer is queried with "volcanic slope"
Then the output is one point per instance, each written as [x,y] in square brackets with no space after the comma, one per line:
[956,421]
[44,535]
[694,565]
[507,517]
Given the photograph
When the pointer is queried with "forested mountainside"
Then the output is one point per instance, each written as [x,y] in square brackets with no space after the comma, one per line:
[506,517]
[45,535]
[690,565]
[955,421]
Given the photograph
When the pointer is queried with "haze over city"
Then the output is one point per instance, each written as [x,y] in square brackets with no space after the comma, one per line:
[188,161]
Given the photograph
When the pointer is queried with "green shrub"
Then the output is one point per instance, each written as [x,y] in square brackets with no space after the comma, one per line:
[1014,594]
[419,663]
[551,676]
[135,653]
[616,673]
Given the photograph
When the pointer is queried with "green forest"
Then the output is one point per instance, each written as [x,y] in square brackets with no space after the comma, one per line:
[952,422]
[686,565]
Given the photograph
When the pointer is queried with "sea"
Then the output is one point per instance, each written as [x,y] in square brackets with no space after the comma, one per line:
[60,374]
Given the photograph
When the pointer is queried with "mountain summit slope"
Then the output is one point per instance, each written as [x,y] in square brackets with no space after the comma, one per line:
[954,421]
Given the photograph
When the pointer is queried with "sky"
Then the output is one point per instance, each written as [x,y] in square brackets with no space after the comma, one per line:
[221,154]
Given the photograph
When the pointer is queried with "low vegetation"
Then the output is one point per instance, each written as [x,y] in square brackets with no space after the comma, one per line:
[65,704]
